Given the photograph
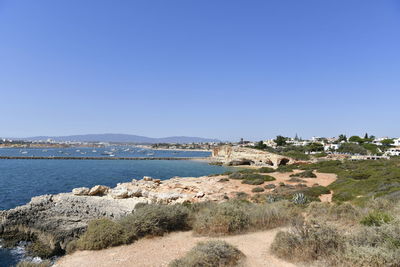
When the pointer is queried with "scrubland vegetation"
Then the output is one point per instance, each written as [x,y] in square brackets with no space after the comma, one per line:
[211,253]
[344,235]
[360,228]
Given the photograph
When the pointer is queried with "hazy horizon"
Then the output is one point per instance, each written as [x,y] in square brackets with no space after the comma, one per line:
[214,69]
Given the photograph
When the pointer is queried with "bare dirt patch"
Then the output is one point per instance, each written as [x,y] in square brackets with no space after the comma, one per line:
[159,251]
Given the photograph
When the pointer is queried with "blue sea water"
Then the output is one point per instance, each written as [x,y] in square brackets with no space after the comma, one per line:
[21,179]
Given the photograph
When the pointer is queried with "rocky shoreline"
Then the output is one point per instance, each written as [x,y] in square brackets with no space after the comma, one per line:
[54,220]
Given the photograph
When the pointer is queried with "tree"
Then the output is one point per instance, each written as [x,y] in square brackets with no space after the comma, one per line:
[356,139]
[280,140]
[387,142]
[315,147]
[352,149]
[342,137]
[366,136]
[260,145]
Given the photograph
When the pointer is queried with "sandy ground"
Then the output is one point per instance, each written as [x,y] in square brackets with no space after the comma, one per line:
[159,251]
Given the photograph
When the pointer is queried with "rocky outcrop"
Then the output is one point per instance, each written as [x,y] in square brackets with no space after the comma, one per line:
[236,155]
[56,219]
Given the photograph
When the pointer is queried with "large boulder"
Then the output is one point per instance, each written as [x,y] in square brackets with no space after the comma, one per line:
[80,191]
[119,193]
[98,190]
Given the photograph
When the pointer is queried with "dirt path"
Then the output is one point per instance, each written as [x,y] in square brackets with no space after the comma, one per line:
[159,251]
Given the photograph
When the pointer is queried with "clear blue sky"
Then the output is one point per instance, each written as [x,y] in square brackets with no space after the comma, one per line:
[211,68]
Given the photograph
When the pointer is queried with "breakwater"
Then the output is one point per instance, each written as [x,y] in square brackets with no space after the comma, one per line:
[106,158]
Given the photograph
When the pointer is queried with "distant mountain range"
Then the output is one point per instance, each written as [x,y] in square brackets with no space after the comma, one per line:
[122,138]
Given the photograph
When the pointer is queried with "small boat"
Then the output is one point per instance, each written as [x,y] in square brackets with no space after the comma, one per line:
[107,153]
[24,152]
[94,150]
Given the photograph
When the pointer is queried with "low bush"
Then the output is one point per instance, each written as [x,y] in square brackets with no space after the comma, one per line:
[376,218]
[373,246]
[102,233]
[286,168]
[253,182]
[257,190]
[265,170]
[306,243]
[234,217]
[268,178]
[211,253]
[223,180]
[225,218]
[345,212]
[316,191]
[304,174]
[269,186]
[272,215]
[155,220]
[40,249]
[241,195]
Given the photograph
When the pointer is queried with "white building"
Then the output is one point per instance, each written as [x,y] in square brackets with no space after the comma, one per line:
[396,142]
[393,152]
[330,147]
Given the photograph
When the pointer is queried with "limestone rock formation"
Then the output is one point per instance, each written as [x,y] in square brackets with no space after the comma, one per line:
[80,191]
[98,190]
[235,156]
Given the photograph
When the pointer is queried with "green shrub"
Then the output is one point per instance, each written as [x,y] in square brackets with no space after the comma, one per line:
[40,249]
[269,186]
[266,170]
[316,191]
[344,212]
[257,190]
[241,195]
[272,215]
[211,253]
[306,243]
[268,178]
[373,246]
[305,174]
[236,175]
[253,182]
[102,233]
[286,168]
[225,218]
[376,218]
[223,180]
[155,220]
[356,256]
